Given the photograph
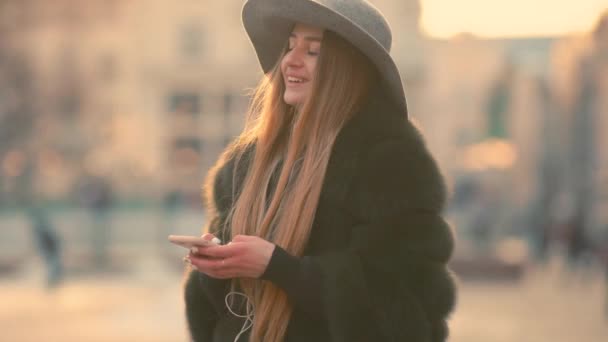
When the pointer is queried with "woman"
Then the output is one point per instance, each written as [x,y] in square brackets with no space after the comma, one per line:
[329,200]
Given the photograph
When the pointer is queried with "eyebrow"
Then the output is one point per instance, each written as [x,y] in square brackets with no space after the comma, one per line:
[308,38]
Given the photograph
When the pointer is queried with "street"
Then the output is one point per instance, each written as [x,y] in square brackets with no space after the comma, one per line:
[146,306]
[138,298]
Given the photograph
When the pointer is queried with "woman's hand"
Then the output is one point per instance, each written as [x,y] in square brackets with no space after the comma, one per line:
[245,257]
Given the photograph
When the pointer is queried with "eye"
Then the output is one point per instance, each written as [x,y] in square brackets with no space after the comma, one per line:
[314,49]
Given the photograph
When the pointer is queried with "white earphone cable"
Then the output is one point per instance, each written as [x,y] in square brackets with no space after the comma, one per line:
[248,316]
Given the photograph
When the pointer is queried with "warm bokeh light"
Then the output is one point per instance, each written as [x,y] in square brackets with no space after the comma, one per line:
[490,154]
[514,18]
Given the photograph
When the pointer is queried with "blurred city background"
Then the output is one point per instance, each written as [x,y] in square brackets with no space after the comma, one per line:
[112,111]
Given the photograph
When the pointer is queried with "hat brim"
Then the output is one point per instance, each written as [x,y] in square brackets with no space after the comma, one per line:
[269,23]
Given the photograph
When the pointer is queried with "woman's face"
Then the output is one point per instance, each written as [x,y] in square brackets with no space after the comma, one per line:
[300,62]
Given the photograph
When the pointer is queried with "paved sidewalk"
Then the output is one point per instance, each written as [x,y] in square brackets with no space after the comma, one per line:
[143,301]
[146,306]
[548,305]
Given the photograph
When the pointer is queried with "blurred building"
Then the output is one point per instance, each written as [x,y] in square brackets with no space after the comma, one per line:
[126,89]
[195,67]
[148,92]
[47,88]
[408,47]
[580,71]
[482,89]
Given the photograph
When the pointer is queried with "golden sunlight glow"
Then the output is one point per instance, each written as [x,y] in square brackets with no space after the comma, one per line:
[509,18]
[497,154]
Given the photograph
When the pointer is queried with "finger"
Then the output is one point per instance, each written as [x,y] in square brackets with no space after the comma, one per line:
[222,252]
[208,265]
[188,261]
[243,238]
[221,269]
[238,238]
[195,250]
[226,273]
[205,264]
[208,236]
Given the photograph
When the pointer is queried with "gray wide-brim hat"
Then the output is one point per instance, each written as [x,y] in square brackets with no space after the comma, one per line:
[269,23]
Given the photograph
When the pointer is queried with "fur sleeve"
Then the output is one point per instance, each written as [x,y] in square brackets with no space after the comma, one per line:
[200,314]
[201,310]
[392,283]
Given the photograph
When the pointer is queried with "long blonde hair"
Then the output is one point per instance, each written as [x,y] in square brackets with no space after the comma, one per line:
[299,141]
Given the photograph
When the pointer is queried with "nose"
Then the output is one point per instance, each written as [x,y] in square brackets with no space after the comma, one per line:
[294,58]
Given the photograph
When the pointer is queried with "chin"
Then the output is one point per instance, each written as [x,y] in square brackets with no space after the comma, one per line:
[292,101]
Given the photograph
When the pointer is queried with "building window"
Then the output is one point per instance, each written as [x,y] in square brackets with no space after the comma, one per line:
[69,88]
[186,153]
[185,103]
[191,41]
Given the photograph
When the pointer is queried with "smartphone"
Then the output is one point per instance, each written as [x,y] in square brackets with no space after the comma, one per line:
[193,241]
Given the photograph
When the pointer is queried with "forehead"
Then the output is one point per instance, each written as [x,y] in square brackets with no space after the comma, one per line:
[300,29]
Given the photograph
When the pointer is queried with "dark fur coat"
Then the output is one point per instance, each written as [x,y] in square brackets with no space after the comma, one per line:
[378,241]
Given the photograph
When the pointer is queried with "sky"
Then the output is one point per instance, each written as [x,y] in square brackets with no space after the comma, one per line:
[509,18]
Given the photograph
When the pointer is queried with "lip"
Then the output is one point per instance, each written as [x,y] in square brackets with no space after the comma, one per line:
[295,85]
[303,77]
[290,84]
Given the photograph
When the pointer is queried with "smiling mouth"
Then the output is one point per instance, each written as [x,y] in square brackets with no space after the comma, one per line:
[295,80]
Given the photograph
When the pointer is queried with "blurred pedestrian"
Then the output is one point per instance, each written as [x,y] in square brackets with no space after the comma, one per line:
[329,200]
[96,196]
[541,216]
[47,242]
[588,161]
[26,196]
[591,108]
[578,246]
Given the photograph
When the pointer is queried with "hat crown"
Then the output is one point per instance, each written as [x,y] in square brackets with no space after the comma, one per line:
[270,22]
[365,15]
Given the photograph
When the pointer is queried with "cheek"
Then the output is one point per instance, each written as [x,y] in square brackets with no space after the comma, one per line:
[313,67]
